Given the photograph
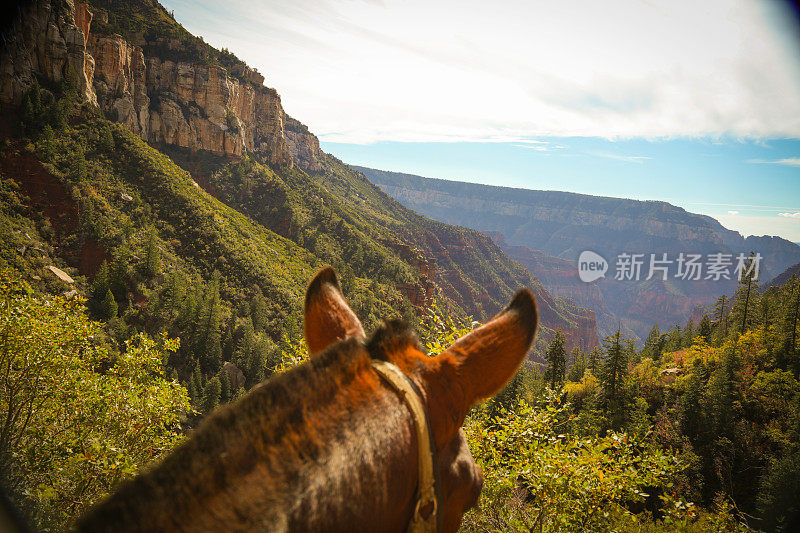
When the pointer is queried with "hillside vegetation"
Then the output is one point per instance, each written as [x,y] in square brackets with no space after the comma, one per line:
[699,430]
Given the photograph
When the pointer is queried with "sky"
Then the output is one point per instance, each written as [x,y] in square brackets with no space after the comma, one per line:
[694,103]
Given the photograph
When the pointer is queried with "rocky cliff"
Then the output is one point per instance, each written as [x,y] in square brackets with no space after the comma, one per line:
[783,277]
[195,106]
[151,85]
[51,44]
[562,225]
[560,277]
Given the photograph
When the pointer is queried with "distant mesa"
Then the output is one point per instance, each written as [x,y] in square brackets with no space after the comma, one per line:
[547,230]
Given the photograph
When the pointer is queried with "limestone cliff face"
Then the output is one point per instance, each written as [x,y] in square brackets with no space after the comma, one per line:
[51,43]
[553,208]
[164,101]
[194,106]
[560,278]
[120,82]
[564,224]
[172,92]
[303,145]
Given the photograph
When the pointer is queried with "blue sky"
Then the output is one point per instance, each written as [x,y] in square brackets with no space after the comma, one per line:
[695,103]
[753,187]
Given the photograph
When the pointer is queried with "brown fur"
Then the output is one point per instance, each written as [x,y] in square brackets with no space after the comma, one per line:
[328,318]
[327,446]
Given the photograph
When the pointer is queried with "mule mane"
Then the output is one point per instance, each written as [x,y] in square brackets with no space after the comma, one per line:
[323,375]
[392,337]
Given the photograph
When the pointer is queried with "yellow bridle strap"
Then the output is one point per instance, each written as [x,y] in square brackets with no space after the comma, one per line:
[426,489]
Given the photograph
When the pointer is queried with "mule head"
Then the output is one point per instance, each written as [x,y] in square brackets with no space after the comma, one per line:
[475,367]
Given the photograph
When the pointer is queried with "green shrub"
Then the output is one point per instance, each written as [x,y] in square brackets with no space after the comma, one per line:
[81,417]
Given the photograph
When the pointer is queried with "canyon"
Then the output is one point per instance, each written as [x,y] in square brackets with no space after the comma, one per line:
[547,230]
[206,108]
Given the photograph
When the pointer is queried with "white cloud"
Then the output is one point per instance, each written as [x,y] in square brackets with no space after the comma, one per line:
[790,215]
[618,157]
[414,70]
[534,148]
[791,161]
[539,146]
[788,228]
[745,206]
[734,213]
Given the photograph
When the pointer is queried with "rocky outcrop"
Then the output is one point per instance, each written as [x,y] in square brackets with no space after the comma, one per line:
[303,145]
[60,274]
[48,41]
[560,278]
[188,105]
[165,101]
[119,82]
[422,293]
[83,19]
[235,376]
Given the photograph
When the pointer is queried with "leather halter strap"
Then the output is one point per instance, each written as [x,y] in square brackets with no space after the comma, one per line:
[426,487]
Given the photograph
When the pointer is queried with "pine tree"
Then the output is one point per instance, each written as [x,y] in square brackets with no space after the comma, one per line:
[229,338]
[653,343]
[106,140]
[187,313]
[556,357]
[688,334]
[212,357]
[152,261]
[259,311]
[794,313]
[207,335]
[108,306]
[58,112]
[32,115]
[120,328]
[745,300]
[255,369]
[100,283]
[721,318]
[691,415]
[594,360]
[197,385]
[578,367]
[674,339]
[765,319]
[705,328]
[790,311]
[191,390]
[119,273]
[613,376]
[722,388]
[244,342]
[211,394]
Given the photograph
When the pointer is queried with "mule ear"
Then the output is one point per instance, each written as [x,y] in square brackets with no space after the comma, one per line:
[488,357]
[328,318]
